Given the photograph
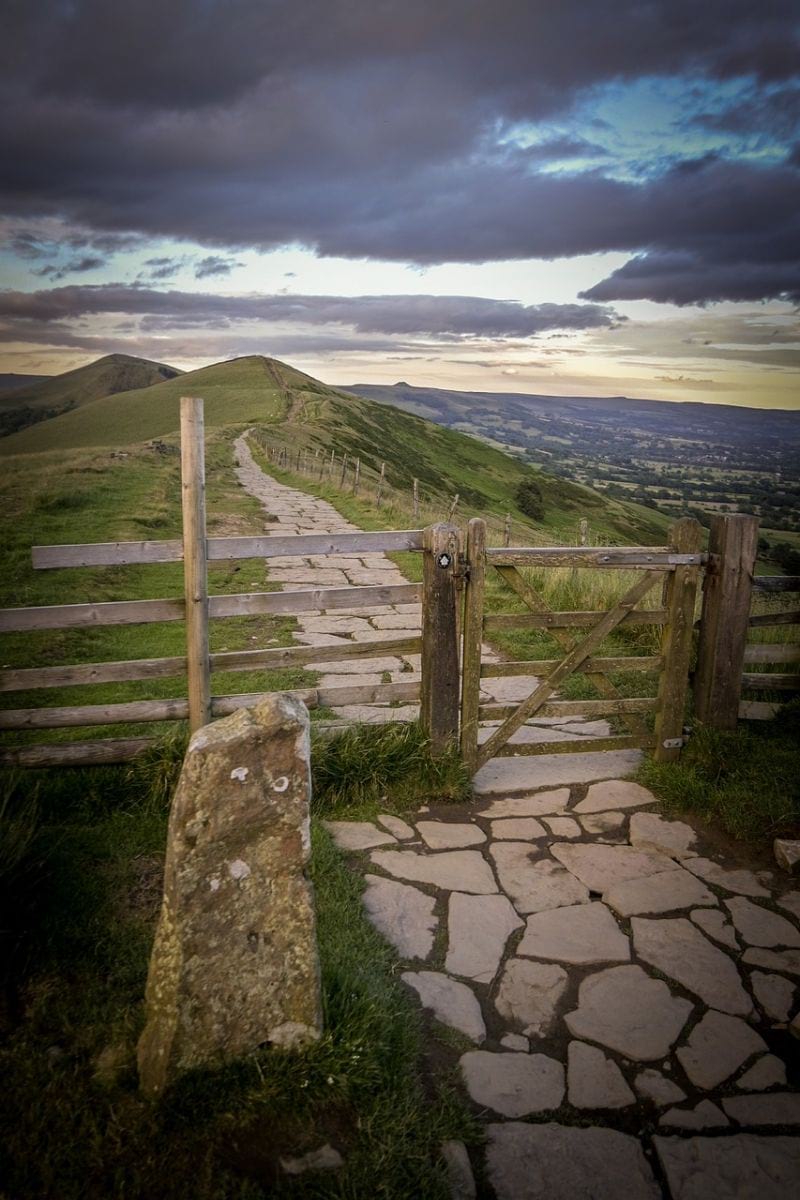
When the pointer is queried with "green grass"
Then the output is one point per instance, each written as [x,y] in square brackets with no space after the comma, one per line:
[78,1127]
[370,768]
[746,781]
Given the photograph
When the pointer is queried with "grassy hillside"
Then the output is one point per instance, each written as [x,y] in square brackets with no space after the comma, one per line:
[105,377]
[241,391]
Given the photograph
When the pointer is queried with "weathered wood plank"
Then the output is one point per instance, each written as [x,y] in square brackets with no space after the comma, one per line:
[73,716]
[314,600]
[776,583]
[733,542]
[195,566]
[225,549]
[577,708]
[622,741]
[771,652]
[104,554]
[540,665]
[652,558]
[76,754]
[77,616]
[758,710]
[440,676]
[760,620]
[471,638]
[26,679]
[766,682]
[566,620]
[676,644]
[573,661]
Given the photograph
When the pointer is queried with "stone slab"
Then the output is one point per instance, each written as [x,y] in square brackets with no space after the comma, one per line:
[768,1072]
[714,925]
[518,829]
[741,1167]
[460,1180]
[774,994]
[451,870]
[661,893]
[563,827]
[396,826]
[478,928]
[529,994]
[537,805]
[402,914]
[717,1047]
[656,1087]
[601,867]
[627,1011]
[766,1108]
[534,885]
[742,882]
[514,1085]
[614,794]
[451,1002]
[785,961]
[704,1115]
[580,934]
[560,1162]
[594,1081]
[446,835]
[358,835]
[760,927]
[550,770]
[678,948]
[649,831]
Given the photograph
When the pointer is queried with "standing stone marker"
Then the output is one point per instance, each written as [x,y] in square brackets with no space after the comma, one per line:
[234,963]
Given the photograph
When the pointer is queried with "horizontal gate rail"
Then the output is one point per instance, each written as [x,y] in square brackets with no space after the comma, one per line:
[225,549]
[627,558]
[536,666]
[568,620]
[607,707]
[620,741]
[144,612]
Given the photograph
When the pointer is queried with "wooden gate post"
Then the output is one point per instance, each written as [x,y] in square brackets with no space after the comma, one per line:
[195,567]
[439,688]
[686,537]
[472,639]
[732,548]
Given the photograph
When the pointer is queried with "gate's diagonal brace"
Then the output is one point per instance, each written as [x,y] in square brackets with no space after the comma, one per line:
[576,657]
[601,681]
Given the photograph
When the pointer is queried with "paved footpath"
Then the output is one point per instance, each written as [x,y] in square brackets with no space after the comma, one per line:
[629,1001]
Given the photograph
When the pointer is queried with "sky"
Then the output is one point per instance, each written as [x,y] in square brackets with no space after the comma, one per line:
[494,195]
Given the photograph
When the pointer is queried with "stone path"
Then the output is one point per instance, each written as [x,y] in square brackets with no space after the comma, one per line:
[627,1005]
[289,511]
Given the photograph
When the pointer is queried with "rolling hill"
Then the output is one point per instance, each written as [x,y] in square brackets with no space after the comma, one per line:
[301,412]
[105,377]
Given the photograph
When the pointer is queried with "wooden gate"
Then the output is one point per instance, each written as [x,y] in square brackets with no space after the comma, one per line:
[678,564]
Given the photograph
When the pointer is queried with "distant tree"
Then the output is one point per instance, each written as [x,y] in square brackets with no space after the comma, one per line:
[529,499]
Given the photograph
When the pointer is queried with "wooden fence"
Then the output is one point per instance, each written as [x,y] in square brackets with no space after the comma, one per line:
[452,630]
[723,685]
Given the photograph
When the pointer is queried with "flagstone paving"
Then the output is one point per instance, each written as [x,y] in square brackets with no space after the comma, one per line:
[608,991]
[616,976]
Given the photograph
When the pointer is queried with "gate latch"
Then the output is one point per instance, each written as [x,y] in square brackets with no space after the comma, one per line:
[673,743]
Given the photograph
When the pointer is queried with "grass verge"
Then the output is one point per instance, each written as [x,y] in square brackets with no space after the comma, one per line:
[77,1126]
[747,781]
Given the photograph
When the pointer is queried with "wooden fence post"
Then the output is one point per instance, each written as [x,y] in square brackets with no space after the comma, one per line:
[439,688]
[472,639]
[356,476]
[344,471]
[415,495]
[381,482]
[453,507]
[507,530]
[195,570]
[732,549]
[686,537]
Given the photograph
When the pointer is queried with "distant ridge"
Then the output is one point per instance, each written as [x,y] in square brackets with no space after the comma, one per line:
[11,382]
[108,375]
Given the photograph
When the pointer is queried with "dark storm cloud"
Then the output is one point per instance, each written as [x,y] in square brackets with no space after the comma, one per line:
[689,279]
[435,316]
[370,129]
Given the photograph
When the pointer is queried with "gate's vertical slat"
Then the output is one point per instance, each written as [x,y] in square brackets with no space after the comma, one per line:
[472,639]
[686,537]
[195,567]
[732,548]
[439,689]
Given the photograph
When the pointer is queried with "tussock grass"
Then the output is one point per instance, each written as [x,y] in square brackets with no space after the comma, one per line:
[78,1127]
[747,781]
[371,765]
